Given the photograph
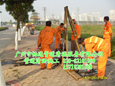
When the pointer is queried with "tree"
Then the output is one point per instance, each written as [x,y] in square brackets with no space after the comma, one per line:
[1,2]
[10,22]
[18,8]
[35,17]
[24,19]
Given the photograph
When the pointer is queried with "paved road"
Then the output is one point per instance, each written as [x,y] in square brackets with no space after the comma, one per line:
[6,37]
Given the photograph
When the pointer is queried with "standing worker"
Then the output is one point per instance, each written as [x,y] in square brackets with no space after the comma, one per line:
[33,27]
[28,25]
[73,44]
[60,28]
[97,44]
[45,39]
[107,32]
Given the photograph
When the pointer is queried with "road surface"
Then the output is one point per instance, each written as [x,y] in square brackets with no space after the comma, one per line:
[6,37]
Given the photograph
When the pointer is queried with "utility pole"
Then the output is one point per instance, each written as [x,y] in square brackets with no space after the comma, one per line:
[78,14]
[0,18]
[44,13]
[52,18]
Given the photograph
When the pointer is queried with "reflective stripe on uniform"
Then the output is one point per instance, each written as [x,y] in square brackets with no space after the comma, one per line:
[99,44]
[73,35]
[90,39]
[93,50]
[96,40]
[106,32]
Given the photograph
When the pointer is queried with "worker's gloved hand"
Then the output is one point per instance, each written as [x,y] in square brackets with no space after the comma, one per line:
[96,51]
[39,46]
[64,27]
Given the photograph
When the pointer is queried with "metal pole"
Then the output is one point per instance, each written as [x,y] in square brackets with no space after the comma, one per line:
[66,24]
[52,18]
[73,26]
[0,21]
[44,14]
[64,33]
[78,14]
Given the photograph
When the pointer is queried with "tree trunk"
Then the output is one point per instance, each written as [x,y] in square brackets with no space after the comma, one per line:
[19,32]
[22,28]
[22,23]
[17,25]
[2,81]
[16,35]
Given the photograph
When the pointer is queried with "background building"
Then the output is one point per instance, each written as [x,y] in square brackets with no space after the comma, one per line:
[112,15]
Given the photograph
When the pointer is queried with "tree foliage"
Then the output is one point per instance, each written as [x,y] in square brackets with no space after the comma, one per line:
[24,18]
[18,8]
[1,2]
[10,22]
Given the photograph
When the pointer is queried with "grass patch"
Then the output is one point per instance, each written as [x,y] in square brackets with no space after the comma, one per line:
[88,31]
[18,72]
[44,77]
[15,70]
[10,68]
[3,28]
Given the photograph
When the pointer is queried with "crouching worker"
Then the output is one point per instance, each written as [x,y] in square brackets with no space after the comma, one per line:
[96,44]
[45,39]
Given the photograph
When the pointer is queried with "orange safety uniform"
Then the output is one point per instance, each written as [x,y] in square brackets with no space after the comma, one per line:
[45,39]
[78,29]
[108,34]
[58,36]
[95,43]
[33,27]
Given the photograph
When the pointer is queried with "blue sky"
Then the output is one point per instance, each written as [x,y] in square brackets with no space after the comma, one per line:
[56,7]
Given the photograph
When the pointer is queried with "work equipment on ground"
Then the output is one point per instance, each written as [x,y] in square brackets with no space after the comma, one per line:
[31,32]
[65,35]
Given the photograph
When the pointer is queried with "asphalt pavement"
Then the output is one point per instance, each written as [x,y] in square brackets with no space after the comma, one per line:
[6,37]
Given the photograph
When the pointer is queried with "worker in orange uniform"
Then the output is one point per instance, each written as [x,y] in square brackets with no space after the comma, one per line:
[96,44]
[45,39]
[107,32]
[60,28]
[73,44]
[33,27]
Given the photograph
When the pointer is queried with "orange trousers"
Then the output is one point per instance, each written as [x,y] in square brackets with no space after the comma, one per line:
[108,40]
[103,60]
[59,42]
[43,49]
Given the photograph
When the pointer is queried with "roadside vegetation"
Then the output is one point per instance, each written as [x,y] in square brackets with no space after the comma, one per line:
[3,28]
